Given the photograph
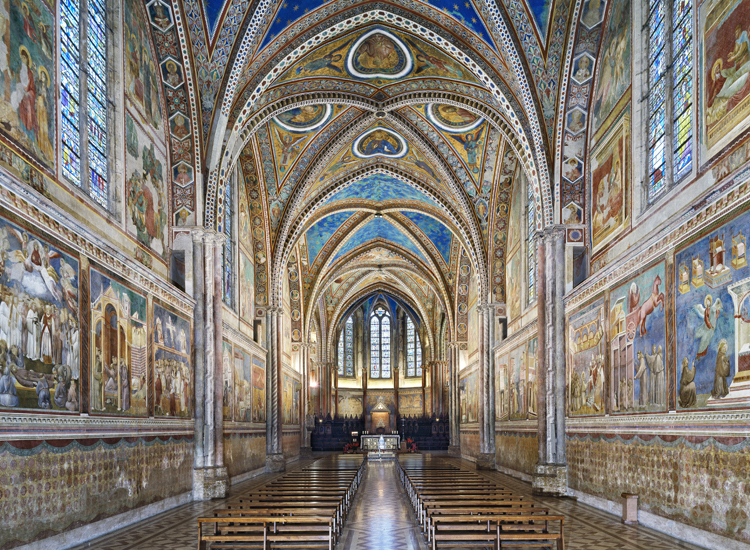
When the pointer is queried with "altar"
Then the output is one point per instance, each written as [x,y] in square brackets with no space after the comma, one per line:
[369,444]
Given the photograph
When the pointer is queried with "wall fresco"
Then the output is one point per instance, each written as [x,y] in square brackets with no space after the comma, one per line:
[243,386]
[712,319]
[173,373]
[502,388]
[637,344]
[517,380]
[27,66]
[55,488]
[726,87]
[259,390]
[39,329]
[614,69]
[228,378]
[610,182]
[119,347]
[244,452]
[586,357]
[142,79]
[688,478]
[146,188]
[469,388]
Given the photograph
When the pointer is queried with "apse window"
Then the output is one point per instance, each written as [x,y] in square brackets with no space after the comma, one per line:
[413,350]
[670,94]
[346,350]
[380,344]
[83,96]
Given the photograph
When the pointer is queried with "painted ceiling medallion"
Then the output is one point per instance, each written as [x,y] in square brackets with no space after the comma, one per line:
[304,119]
[452,119]
[379,54]
[380,142]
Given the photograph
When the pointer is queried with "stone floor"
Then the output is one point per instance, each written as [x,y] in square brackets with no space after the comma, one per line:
[382,519]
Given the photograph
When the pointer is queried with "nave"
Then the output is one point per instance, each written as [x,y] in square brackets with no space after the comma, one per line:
[381,517]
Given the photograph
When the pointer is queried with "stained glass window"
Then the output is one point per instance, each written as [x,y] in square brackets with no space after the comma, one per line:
[531,227]
[349,352]
[341,355]
[380,344]
[682,87]
[84,147]
[228,270]
[346,349]
[413,350]
[670,90]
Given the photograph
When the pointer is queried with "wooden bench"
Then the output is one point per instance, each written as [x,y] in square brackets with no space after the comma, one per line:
[528,530]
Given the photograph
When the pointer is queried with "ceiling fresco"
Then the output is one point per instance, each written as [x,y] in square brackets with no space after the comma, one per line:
[406,108]
[437,232]
[380,188]
[378,228]
[319,234]
[378,56]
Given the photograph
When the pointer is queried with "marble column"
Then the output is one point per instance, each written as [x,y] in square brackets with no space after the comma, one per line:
[307,420]
[210,478]
[550,472]
[274,443]
[486,458]
[454,402]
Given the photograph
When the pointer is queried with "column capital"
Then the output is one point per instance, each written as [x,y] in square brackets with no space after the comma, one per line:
[554,232]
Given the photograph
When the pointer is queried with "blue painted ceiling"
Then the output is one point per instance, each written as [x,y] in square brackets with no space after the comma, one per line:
[319,234]
[540,10]
[381,187]
[374,229]
[438,233]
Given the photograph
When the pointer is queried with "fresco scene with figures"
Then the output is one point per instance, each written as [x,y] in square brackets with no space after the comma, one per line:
[246,245]
[119,347]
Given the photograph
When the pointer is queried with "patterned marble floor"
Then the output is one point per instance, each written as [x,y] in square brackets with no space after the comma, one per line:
[382,519]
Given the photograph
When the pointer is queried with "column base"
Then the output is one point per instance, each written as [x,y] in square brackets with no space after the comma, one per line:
[210,483]
[550,480]
[305,451]
[454,450]
[275,463]
[485,461]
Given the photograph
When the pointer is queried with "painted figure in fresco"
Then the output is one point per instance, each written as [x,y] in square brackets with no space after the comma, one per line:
[42,115]
[425,61]
[124,386]
[72,403]
[161,19]
[23,98]
[325,62]
[98,385]
[642,375]
[42,392]
[687,385]
[471,144]
[380,142]
[180,130]
[182,178]
[8,397]
[576,121]
[592,15]
[377,52]
[723,369]
[708,313]
[288,143]
[583,71]
[658,376]
[61,388]
[731,84]
[173,78]
[456,115]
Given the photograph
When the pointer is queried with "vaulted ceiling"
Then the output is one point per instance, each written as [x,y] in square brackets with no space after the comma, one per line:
[386,137]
